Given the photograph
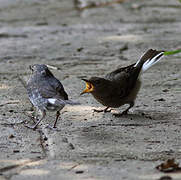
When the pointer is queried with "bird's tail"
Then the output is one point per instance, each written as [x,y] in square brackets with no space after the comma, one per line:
[148,59]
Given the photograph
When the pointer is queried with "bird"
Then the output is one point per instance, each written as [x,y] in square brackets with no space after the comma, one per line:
[122,85]
[46,93]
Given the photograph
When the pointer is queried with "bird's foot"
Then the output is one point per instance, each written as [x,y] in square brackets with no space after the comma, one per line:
[102,110]
[98,110]
[31,116]
[121,114]
[52,128]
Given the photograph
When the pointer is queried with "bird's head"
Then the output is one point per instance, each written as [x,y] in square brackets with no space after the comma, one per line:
[40,69]
[95,84]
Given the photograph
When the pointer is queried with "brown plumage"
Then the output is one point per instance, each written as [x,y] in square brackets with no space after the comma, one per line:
[122,85]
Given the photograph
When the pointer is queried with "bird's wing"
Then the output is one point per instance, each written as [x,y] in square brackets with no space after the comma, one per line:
[120,74]
[53,88]
[124,79]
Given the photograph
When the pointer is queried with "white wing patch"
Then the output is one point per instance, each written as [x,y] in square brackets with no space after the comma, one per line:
[60,102]
[52,100]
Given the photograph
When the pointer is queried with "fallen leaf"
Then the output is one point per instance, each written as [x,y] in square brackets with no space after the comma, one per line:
[169,166]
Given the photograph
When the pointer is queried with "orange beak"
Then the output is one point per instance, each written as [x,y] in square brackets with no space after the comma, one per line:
[89,87]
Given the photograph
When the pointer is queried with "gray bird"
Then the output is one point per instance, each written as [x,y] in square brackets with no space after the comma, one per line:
[46,93]
[122,85]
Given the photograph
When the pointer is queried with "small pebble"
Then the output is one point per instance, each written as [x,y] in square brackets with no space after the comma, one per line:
[79,172]
[161,99]
[165,90]
[80,49]
[65,140]
[71,146]
[16,151]
[11,136]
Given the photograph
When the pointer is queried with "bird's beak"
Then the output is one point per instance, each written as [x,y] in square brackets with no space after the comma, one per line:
[30,66]
[89,87]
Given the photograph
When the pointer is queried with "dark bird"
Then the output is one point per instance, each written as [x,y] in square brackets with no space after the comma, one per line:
[46,92]
[122,85]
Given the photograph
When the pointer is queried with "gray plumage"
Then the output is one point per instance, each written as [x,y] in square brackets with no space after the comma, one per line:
[46,92]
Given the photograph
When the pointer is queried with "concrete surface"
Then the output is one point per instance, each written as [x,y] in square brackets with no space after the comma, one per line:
[83,43]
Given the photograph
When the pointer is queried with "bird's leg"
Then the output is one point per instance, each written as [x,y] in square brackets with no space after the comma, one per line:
[38,122]
[54,126]
[57,116]
[102,110]
[131,104]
